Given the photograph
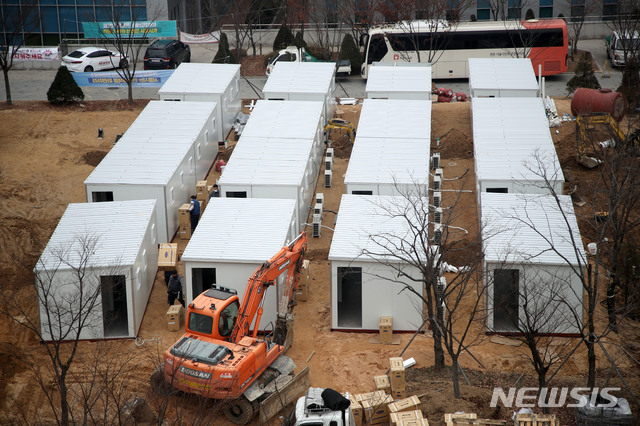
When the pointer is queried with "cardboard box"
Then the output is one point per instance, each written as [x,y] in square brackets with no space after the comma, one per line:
[356,409]
[396,373]
[452,418]
[396,418]
[183,215]
[175,315]
[167,256]
[302,293]
[382,383]
[376,411]
[369,396]
[201,188]
[416,422]
[407,404]
[180,269]
[398,394]
[184,233]
[386,329]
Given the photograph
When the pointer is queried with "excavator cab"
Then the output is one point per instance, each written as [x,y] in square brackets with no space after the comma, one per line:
[214,313]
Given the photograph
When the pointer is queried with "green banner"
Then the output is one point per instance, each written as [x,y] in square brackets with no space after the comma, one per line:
[150,29]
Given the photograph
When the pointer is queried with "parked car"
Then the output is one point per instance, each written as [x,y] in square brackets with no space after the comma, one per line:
[618,43]
[89,59]
[163,54]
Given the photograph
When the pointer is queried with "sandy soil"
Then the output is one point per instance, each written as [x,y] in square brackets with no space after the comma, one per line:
[45,155]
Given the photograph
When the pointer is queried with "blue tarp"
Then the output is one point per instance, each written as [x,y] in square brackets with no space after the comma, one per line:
[113,79]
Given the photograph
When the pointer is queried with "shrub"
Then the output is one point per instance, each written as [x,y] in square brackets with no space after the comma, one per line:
[64,88]
[473,18]
[630,85]
[349,50]
[299,40]
[584,75]
[319,52]
[284,38]
[223,55]
[529,15]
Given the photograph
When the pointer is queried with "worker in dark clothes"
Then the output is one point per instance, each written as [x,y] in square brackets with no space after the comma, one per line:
[194,212]
[175,288]
[215,192]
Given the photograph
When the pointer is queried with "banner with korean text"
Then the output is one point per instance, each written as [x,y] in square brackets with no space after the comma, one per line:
[113,79]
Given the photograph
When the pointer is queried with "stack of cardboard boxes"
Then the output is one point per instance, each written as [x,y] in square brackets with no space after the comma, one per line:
[386,330]
[184,221]
[375,407]
[202,194]
[397,378]
[406,412]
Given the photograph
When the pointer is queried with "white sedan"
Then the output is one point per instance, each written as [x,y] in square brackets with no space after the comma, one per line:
[89,59]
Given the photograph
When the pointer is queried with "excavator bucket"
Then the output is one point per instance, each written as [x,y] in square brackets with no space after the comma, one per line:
[284,396]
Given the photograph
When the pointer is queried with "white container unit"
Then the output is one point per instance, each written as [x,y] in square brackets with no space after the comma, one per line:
[513,148]
[388,166]
[233,238]
[169,148]
[218,83]
[502,78]
[272,168]
[303,81]
[363,287]
[115,247]
[532,249]
[290,121]
[399,82]
[394,118]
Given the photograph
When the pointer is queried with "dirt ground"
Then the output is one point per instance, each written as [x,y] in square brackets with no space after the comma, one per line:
[45,155]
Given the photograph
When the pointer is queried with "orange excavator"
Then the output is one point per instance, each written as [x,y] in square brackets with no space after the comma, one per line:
[221,356]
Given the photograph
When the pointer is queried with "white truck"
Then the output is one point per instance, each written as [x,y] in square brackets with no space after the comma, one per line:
[619,43]
[299,54]
[325,407]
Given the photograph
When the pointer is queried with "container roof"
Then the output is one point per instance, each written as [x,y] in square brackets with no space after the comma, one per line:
[114,231]
[502,73]
[391,118]
[367,222]
[301,77]
[155,144]
[192,77]
[507,134]
[243,230]
[399,79]
[521,228]
[388,161]
[267,161]
[284,119]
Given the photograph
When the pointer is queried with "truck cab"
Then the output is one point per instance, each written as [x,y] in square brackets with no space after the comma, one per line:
[316,409]
[619,43]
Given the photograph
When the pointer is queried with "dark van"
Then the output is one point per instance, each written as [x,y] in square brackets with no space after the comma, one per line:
[164,54]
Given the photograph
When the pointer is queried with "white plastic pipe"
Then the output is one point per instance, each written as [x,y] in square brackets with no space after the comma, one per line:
[540,80]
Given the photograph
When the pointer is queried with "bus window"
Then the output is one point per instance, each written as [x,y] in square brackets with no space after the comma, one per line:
[377,49]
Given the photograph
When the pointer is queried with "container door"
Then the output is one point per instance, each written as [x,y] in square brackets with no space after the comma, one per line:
[349,297]
[115,318]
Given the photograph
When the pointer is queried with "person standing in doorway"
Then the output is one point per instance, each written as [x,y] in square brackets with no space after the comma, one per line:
[175,288]
[194,212]
[215,192]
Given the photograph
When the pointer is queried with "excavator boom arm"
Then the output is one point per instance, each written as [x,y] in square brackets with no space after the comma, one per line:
[289,258]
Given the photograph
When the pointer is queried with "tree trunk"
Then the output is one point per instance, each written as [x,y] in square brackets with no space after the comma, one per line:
[455,377]
[542,384]
[591,358]
[611,302]
[64,407]
[130,90]
[438,351]
[7,87]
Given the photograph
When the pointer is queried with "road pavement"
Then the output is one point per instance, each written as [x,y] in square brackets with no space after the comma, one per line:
[29,85]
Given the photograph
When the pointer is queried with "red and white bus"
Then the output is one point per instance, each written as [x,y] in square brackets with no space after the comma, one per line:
[545,42]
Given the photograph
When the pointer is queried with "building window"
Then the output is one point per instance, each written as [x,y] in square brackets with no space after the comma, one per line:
[609,9]
[484,10]
[577,10]
[546,9]
[515,9]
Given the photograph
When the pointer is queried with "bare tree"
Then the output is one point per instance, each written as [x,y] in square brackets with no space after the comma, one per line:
[128,31]
[580,9]
[626,22]
[16,23]
[68,292]
[429,248]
